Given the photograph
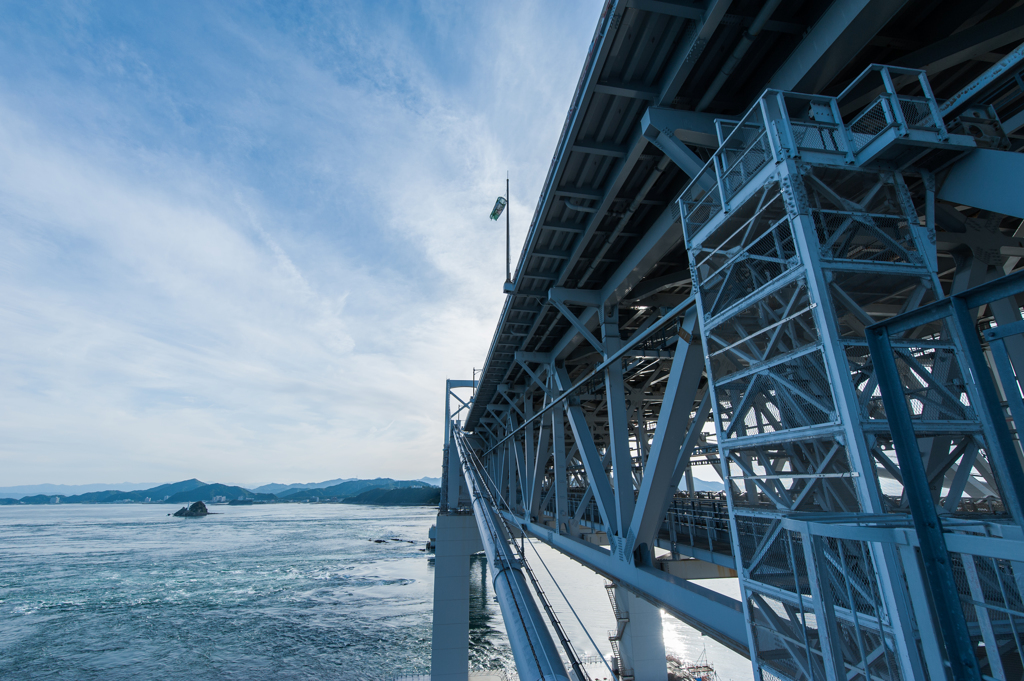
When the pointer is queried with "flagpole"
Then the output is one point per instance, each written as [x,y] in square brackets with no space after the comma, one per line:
[508,238]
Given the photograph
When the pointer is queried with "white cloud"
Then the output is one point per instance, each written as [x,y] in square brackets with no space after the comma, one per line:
[266,273]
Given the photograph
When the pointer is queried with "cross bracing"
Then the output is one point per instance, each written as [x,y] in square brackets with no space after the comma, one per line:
[739,199]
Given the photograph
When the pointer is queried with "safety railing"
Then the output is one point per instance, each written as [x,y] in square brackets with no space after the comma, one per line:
[871,123]
[591,514]
[941,381]
[791,125]
[744,149]
[890,109]
[748,151]
[700,522]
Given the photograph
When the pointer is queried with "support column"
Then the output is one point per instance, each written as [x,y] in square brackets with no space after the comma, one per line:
[560,482]
[457,539]
[642,646]
[618,431]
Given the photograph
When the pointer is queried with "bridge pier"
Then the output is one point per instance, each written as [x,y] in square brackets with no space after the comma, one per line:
[641,643]
[457,539]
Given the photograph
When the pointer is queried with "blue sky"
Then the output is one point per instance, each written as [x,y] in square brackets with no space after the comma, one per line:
[247,242]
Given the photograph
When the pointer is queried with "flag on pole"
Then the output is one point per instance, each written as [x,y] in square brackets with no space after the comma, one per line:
[499,206]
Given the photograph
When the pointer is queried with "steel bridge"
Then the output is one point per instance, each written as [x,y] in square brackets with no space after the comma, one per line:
[779,240]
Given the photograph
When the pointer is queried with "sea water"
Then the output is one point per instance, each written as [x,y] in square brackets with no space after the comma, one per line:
[282,591]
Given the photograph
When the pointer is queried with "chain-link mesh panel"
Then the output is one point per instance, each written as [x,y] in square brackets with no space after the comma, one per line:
[780,563]
[861,236]
[752,533]
[865,648]
[786,640]
[862,375]
[990,595]
[698,211]
[863,298]
[833,491]
[773,325]
[806,460]
[851,577]
[917,113]
[869,124]
[745,222]
[818,137]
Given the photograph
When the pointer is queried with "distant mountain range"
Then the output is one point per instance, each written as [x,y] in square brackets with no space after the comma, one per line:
[68,490]
[282,490]
[703,485]
[349,490]
[406,492]
[278,488]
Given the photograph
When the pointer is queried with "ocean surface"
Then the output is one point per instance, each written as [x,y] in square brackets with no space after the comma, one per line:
[284,591]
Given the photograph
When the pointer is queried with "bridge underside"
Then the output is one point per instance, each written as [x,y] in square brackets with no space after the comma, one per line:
[760,257]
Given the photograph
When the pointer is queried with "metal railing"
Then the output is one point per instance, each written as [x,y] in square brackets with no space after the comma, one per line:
[700,522]
[784,125]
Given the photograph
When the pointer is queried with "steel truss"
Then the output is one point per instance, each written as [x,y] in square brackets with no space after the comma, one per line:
[808,257]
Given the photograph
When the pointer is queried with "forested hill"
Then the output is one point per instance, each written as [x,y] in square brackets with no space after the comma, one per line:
[384,491]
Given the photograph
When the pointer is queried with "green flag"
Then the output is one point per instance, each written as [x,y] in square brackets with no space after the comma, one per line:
[499,206]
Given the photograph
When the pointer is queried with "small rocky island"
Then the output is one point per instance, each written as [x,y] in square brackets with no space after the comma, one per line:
[196,510]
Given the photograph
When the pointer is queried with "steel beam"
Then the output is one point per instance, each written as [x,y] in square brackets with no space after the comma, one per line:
[1003,29]
[673,425]
[599,484]
[687,56]
[841,32]
[711,613]
[969,182]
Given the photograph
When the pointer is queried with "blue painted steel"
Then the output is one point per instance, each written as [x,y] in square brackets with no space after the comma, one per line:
[536,655]
[956,313]
[839,582]
[926,521]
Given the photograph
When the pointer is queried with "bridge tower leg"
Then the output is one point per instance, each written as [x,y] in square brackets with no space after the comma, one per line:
[804,254]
